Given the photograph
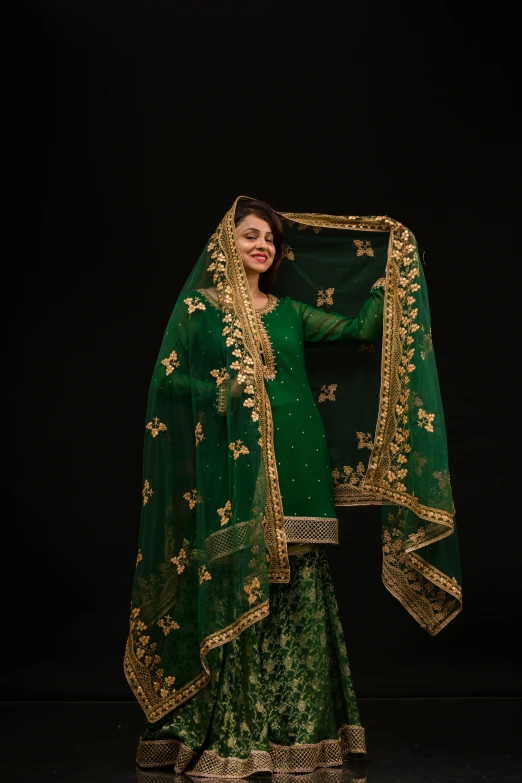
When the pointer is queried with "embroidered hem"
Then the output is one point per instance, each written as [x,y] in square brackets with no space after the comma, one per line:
[278,758]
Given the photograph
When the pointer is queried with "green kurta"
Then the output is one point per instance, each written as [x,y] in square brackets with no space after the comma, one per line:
[303,463]
[300,445]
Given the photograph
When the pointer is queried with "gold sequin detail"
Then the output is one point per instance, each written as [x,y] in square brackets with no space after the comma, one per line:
[365,440]
[425,420]
[325,297]
[364,247]
[146,492]
[181,561]
[194,303]
[287,252]
[327,393]
[199,433]
[225,513]
[253,590]
[171,363]
[167,624]
[192,498]
[156,426]
[203,575]
[237,448]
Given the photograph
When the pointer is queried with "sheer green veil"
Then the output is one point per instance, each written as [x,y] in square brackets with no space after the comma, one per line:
[212,533]
[381,404]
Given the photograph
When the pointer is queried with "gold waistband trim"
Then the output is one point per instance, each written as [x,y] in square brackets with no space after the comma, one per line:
[278,758]
[302,530]
[312,530]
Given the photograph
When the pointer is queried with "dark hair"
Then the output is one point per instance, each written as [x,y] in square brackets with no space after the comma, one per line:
[262,210]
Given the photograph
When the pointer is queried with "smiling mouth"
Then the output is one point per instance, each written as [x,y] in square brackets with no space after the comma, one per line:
[260,258]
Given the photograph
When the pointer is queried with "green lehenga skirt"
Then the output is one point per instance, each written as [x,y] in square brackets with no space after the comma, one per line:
[281,697]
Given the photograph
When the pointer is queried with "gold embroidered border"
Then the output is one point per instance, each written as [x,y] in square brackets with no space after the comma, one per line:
[305,530]
[312,530]
[378,223]
[163,753]
[226,541]
[279,758]
[139,677]
[279,566]
[271,304]
[420,607]
[347,495]
[209,298]
[266,346]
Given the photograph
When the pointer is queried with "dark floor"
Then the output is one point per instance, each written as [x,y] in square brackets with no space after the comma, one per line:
[409,741]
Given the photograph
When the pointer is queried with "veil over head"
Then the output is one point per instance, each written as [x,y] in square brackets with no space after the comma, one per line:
[212,535]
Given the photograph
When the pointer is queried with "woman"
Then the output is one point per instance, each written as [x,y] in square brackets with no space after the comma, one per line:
[236,651]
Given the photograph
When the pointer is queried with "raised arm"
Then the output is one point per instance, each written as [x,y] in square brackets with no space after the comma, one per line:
[320,326]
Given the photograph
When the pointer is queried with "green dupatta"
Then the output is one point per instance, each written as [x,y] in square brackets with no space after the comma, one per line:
[212,534]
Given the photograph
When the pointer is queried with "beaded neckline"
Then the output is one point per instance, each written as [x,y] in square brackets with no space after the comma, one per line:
[269,306]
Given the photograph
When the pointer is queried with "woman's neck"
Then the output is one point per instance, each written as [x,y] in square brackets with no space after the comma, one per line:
[253,283]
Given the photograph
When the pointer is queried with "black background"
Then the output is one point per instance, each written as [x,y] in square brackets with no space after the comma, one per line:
[134,126]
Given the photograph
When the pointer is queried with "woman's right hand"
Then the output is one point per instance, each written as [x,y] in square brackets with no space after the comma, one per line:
[236,389]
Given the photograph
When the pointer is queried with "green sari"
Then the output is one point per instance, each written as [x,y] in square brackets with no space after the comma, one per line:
[240,492]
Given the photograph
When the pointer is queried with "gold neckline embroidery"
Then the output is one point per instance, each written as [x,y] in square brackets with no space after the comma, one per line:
[267,308]
[209,298]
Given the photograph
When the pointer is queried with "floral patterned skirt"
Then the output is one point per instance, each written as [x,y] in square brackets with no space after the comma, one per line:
[281,698]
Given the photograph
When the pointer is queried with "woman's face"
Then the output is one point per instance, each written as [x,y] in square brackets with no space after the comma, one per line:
[256,244]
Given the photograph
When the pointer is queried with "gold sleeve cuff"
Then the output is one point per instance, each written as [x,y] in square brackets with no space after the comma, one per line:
[221,403]
[380,283]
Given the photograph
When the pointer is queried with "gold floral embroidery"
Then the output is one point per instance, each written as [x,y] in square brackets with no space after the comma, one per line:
[428,345]
[428,594]
[145,652]
[327,393]
[304,226]
[399,447]
[349,476]
[267,353]
[220,375]
[192,498]
[418,537]
[139,557]
[203,574]
[443,479]
[147,492]
[370,348]
[364,247]
[194,303]
[425,420]
[253,590]
[167,625]
[181,561]
[325,297]
[380,283]
[155,426]
[171,363]
[419,460]
[199,433]
[225,513]
[287,252]
[237,448]
[365,440]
